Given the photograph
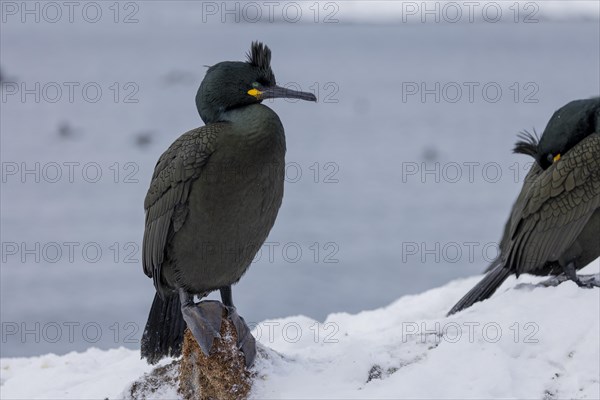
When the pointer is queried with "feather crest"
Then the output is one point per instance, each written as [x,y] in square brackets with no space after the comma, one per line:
[528,144]
[259,56]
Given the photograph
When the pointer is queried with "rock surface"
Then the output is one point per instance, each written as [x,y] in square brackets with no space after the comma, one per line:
[222,375]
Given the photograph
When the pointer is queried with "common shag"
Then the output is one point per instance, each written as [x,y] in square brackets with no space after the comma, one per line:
[554,225]
[212,201]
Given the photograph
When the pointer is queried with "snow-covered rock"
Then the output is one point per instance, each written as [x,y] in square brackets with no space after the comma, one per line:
[527,341]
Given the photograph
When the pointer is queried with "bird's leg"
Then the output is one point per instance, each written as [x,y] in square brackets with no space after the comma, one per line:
[245,341]
[203,319]
[227,296]
[569,270]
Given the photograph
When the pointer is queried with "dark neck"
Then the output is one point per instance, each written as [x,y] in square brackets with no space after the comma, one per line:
[254,122]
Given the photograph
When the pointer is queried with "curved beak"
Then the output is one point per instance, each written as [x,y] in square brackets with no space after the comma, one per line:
[277,92]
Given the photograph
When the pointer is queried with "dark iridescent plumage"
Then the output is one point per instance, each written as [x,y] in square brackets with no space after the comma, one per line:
[214,197]
[554,224]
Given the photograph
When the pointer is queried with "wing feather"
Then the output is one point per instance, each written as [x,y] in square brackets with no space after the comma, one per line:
[166,201]
[554,207]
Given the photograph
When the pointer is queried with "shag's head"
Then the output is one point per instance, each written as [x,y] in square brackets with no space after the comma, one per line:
[567,127]
[232,84]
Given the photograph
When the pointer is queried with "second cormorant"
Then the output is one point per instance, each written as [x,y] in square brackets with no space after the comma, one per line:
[554,224]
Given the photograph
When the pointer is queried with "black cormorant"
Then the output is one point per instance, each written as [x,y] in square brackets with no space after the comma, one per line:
[212,201]
[554,224]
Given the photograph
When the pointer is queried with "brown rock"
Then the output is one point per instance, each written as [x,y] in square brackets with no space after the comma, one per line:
[222,375]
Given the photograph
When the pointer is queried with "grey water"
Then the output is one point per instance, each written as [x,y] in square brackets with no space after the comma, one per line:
[399,179]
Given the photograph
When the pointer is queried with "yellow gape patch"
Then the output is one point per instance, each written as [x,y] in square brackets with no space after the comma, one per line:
[556,158]
[255,93]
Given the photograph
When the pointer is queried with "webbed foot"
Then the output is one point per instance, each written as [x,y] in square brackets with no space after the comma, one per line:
[245,341]
[584,281]
[589,281]
[581,281]
[202,319]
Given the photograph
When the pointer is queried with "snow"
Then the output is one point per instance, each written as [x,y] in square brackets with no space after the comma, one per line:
[91,374]
[527,341]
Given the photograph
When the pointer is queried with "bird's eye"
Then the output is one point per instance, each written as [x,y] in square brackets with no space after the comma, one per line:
[255,85]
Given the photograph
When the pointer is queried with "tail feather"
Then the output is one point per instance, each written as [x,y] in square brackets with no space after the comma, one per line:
[484,289]
[494,264]
[163,335]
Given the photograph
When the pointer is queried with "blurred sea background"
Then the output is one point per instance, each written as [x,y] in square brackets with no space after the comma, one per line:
[398,180]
